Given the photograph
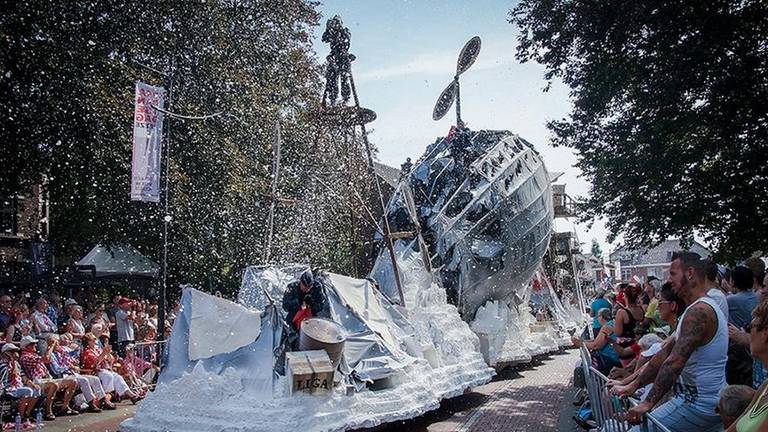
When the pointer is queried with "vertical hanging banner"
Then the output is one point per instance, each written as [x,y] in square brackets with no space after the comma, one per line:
[147,143]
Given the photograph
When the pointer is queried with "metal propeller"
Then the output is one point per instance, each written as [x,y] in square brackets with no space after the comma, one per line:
[467,58]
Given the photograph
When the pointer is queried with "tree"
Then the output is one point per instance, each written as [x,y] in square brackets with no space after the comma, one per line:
[669,116]
[67,86]
[596,250]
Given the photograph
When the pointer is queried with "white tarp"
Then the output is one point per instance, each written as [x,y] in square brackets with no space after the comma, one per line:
[147,142]
[119,260]
[358,295]
[219,326]
[371,349]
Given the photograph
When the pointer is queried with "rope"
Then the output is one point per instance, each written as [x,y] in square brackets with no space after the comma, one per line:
[186,117]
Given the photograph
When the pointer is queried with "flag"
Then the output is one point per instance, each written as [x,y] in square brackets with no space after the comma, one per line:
[147,142]
[536,284]
[451,134]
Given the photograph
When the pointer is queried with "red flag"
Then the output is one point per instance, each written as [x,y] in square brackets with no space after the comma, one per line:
[451,134]
[536,285]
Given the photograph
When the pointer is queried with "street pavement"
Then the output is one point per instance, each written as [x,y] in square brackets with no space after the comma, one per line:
[106,421]
[533,398]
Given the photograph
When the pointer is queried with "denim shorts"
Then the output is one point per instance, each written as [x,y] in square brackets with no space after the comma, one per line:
[677,416]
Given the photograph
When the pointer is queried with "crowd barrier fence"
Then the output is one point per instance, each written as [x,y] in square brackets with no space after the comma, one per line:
[148,352]
[608,410]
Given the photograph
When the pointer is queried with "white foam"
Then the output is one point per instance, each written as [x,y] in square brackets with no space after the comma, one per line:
[204,402]
[201,401]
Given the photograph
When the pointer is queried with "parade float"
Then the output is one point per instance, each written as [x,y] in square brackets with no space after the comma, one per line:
[463,235]
[397,363]
[479,207]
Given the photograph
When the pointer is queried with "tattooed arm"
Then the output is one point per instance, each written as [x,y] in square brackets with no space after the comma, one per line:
[647,374]
[697,329]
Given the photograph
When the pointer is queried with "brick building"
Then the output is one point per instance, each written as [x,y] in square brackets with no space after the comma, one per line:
[24,255]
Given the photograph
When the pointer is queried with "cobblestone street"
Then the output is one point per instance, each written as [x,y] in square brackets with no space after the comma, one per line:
[533,398]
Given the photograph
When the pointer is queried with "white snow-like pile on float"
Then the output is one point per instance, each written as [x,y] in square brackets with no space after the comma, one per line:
[416,356]
[510,335]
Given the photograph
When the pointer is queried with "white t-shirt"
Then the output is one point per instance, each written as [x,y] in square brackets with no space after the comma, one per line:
[717,295]
[124,326]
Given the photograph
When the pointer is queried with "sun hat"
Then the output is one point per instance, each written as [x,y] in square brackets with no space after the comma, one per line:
[650,352]
[26,340]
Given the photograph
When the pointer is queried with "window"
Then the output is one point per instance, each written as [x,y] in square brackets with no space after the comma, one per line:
[626,274]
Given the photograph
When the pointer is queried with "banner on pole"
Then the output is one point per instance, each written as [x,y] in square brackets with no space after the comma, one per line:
[147,143]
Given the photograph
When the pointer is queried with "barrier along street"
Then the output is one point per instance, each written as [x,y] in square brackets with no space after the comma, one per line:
[609,411]
[144,360]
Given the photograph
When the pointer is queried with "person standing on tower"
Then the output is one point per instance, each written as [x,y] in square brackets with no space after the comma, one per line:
[339,60]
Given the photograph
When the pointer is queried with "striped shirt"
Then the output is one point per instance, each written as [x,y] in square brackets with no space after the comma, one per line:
[10,375]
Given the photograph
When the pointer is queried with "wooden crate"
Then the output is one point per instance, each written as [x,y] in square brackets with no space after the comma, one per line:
[309,371]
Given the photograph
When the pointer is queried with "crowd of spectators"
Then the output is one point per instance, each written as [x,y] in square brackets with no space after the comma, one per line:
[84,354]
[691,350]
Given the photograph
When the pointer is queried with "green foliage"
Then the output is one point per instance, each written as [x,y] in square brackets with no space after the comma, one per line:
[67,86]
[596,250]
[669,116]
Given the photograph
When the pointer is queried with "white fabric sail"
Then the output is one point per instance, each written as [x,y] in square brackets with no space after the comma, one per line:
[220,326]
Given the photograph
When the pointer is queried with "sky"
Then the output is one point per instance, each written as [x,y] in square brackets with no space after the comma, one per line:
[406,55]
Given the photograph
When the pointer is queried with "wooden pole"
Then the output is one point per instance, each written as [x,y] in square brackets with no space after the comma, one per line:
[372,171]
[273,201]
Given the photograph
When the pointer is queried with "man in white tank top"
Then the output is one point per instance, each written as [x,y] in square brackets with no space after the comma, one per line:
[692,362]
